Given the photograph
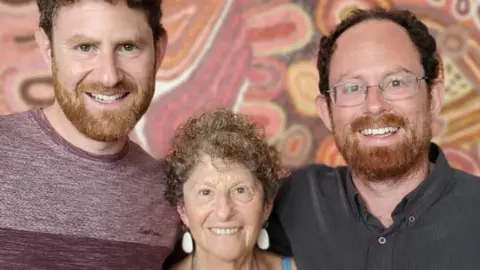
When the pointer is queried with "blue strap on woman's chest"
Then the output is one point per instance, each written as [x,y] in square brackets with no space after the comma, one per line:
[286,263]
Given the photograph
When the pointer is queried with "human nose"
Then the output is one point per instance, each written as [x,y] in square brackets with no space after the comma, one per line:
[108,72]
[224,207]
[374,102]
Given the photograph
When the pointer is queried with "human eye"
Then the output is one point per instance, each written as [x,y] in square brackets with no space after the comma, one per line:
[396,82]
[399,81]
[242,193]
[204,192]
[204,195]
[128,47]
[240,190]
[350,87]
[84,47]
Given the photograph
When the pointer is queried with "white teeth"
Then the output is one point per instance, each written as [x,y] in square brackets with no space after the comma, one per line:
[224,231]
[379,131]
[107,97]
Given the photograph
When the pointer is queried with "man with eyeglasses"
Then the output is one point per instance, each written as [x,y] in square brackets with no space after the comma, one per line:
[398,204]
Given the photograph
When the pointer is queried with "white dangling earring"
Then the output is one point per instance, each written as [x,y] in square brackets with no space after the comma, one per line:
[187,242]
[263,241]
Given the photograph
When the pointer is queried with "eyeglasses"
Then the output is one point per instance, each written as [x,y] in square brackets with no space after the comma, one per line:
[354,92]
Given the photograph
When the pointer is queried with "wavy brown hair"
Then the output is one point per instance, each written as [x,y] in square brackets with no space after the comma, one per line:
[152,9]
[230,137]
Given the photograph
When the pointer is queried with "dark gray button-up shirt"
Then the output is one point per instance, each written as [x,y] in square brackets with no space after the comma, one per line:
[318,216]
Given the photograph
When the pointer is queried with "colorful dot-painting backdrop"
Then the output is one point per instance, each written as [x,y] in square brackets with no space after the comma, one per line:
[258,57]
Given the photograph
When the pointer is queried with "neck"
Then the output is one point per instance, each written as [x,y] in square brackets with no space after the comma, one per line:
[204,260]
[65,128]
[381,198]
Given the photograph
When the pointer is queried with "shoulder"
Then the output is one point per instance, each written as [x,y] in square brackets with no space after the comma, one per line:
[138,152]
[313,171]
[313,175]
[146,169]
[463,186]
[142,159]
[269,260]
[11,123]
[14,117]
[19,130]
[464,176]
[461,199]
[466,185]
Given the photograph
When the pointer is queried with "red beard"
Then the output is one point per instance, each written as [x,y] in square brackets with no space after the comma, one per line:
[386,163]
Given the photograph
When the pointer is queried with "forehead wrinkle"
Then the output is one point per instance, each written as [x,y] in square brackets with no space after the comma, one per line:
[221,177]
[207,173]
[217,170]
[83,19]
[346,76]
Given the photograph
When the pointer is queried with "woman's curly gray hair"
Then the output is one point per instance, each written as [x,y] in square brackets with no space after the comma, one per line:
[221,134]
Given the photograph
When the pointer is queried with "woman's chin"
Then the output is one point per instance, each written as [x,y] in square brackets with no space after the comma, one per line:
[229,252]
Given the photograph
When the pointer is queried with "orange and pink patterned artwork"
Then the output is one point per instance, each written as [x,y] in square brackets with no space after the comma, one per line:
[258,57]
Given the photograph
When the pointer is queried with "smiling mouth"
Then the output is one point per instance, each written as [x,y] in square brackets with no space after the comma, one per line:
[385,131]
[107,98]
[224,231]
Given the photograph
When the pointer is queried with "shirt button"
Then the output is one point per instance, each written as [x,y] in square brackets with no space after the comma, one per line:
[382,240]
[411,219]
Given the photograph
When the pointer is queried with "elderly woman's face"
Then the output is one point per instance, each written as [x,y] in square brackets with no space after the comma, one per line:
[223,208]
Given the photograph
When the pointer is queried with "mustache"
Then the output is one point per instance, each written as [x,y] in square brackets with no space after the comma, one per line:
[98,88]
[383,120]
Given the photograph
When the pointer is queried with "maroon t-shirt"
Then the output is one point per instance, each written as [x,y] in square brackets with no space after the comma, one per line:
[63,208]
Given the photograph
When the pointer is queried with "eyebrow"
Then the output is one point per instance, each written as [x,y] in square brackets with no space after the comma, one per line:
[213,185]
[79,38]
[385,74]
[76,39]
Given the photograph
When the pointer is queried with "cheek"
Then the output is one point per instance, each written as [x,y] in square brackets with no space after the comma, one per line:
[418,119]
[196,214]
[142,70]
[416,111]
[342,117]
[253,215]
[65,81]
[145,81]
[71,75]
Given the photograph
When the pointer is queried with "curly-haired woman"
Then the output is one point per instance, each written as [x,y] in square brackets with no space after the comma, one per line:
[223,176]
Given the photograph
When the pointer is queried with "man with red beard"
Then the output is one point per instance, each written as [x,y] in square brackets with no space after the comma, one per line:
[75,192]
[398,204]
